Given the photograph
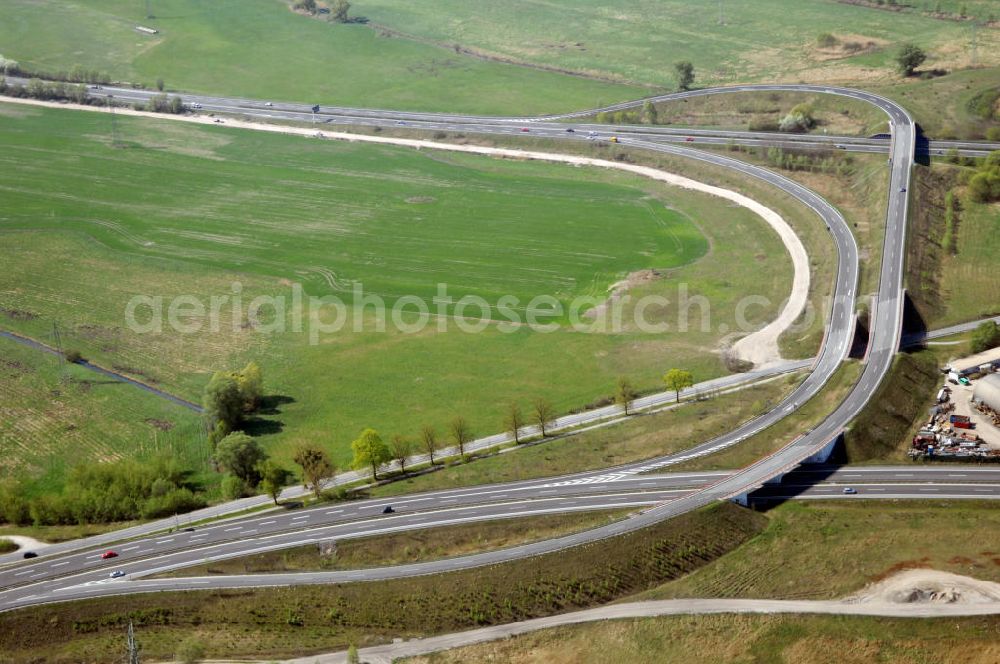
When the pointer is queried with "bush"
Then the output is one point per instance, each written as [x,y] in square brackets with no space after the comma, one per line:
[800,118]
[233,487]
[7,546]
[74,356]
[826,40]
[986,336]
[108,492]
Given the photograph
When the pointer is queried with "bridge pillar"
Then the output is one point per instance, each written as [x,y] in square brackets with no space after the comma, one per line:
[743,500]
[824,454]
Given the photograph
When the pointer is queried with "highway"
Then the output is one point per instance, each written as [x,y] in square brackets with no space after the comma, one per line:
[551,127]
[884,342]
[85,574]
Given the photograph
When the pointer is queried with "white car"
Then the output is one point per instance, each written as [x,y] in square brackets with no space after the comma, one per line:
[267,103]
[850,490]
[117,574]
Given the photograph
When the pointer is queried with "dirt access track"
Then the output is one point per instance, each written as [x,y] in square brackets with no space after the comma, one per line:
[759,347]
[918,593]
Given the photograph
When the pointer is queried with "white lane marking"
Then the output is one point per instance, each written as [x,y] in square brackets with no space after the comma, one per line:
[267,523]
[27,571]
[333,512]
[234,528]
[164,541]
[65,562]
[301,516]
[131,548]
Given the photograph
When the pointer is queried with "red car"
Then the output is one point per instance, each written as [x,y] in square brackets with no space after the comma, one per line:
[525,129]
[109,554]
[689,139]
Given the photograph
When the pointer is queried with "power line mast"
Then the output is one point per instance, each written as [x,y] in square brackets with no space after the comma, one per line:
[149,14]
[722,13]
[57,339]
[131,647]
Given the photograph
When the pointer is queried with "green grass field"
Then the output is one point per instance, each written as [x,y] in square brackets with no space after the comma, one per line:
[240,47]
[759,41]
[243,47]
[190,210]
[51,414]
[969,277]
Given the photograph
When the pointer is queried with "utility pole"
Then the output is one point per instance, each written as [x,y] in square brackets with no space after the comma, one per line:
[131,647]
[149,14]
[57,339]
[722,14]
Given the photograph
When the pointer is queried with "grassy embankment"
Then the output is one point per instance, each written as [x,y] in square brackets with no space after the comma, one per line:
[286,621]
[640,437]
[770,440]
[412,547]
[721,639]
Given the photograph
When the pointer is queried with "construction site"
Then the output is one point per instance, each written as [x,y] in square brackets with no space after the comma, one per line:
[964,422]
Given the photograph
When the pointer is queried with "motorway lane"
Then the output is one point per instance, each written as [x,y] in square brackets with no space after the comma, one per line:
[63,583]
[551,128]
[57,580]
[35,580]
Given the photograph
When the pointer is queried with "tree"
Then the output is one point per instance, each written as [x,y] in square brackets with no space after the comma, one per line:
[369,450]
[308,6]
[401,448]
[649,114]
[910,57]
[251,382]
[986,336]
[544,413]
[685,74]
[625,394]
[159,84]
[429,441]
[176,105]
[222,401]
[460,433]
[316,467]
[352,655]
[338,12]
[273,478]
[240,455]
[800,118]
[514,420]
[677,380]
[233,487]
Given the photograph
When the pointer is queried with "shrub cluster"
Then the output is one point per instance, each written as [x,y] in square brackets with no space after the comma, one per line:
[107,492]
